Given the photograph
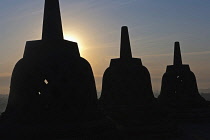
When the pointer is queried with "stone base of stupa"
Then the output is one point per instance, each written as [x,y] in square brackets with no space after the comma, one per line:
[147,122]
[190,115]
[101,129]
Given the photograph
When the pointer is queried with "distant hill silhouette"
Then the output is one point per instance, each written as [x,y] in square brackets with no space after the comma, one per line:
[3,102]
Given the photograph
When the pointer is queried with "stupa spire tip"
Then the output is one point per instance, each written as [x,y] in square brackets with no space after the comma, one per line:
[125,48]
[177,54]
[52,24]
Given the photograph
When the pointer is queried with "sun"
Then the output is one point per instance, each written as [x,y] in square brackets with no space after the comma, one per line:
[74,39]
[70,38]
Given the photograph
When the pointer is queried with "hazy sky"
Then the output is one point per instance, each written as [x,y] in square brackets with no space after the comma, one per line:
[154,26]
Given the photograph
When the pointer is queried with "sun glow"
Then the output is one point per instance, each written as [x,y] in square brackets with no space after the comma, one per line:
[70,38]
[74,39]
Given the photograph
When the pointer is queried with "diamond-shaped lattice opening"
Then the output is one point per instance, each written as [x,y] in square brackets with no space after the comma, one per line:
[46,82]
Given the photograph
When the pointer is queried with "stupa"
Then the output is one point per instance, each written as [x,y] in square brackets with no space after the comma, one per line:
[126,82]
[179,93]
[179,86]
[52,91]
[127,97]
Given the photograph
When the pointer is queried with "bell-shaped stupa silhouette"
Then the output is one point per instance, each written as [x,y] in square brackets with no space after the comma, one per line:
[126,81]
[52,93]
[179,86]
[127,97]
[52,74]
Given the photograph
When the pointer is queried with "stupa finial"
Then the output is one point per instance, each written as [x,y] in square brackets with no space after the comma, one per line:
[52,25]
[177,54]
[125,47]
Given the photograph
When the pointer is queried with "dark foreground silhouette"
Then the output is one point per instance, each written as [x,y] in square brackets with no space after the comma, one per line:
[53,94]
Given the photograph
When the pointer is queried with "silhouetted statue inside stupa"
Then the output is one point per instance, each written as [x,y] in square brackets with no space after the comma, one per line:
[51,80]
[126,82]
[179,86]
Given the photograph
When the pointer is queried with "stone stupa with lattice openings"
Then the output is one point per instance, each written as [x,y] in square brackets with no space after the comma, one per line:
[127,97]
[126,82]
[52,91]
[179,86]
[179,93]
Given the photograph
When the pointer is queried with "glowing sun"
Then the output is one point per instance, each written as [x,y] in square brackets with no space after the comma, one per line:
[70,38]
[74,39]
